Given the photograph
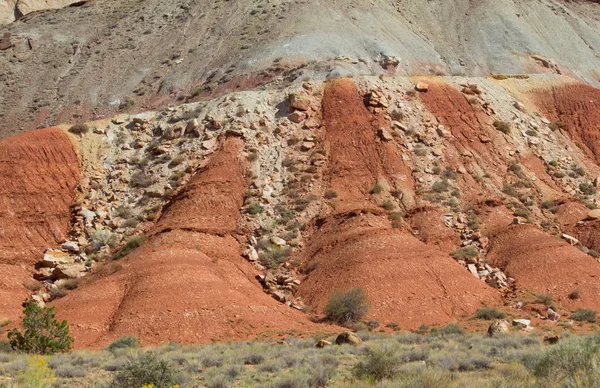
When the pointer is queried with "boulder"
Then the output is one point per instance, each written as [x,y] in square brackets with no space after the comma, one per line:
[53,258]
[348,338]
[422,87]
[297,117]
[299,101]
[68,271]
[593,214]
[278,241]
[70,246]
[322,344]
[385,135]
[521,323]
[498,327]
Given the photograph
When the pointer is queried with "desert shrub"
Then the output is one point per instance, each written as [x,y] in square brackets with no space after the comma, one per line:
[465,253]
[146,370]
[502,126]
[131,245]
[575,294]
[274,256]
[37,374]
[255,208]
[451,328]
[176,161]
[42,334]
[553,163]
[125,342]
[253,358]
[70,371]
[572,363]
[101,238]
[330,194]
[449,173]
[578,170]
[377,365]
[545,299]
[488,313]
[427,377]
[388,205]
[396,218]
[347,307]
[587,188]
[521,212]
[559,174]
[141,180]
[393,325]
[584,315]
[510,190]
[79,129]
[441,186]
[378,188]
[372,325]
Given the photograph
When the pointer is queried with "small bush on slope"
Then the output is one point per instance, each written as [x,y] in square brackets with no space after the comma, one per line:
[347,307]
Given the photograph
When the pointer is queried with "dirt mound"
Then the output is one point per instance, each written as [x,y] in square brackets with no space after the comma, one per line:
[574,109]
[407,281]
[39,171]
[546,265]
[187,282]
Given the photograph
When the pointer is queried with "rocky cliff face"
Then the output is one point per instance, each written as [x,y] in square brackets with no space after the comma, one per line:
[224,178]
[436,195]
[83,63]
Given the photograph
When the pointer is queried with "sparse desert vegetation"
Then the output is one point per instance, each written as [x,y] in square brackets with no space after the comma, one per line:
[445,358]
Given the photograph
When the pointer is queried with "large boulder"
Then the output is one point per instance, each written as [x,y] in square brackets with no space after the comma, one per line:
[498,327]
[348,338]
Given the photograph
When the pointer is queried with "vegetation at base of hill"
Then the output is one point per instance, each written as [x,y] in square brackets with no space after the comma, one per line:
[445,358]
[347,306]
[42,334]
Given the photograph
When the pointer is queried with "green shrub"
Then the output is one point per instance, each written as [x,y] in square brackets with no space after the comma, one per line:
[451,328]
[42,334]
[388,205]
[255,208]
[465,253]
[510,190]
[502,126]
[79,129]
[146,370]
[553,163]
[131,244]
[377,365]
[587,188]
[489,313]
[378,188]
[584,315]
[274,256]
[545,299]
[521,212]
[127,341]
[441,186]
[347,307]
[572,363]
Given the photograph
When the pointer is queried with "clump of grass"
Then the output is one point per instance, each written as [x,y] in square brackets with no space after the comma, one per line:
[510,190]
[584,315]
[449,329]
[378,188]
[502,126]
[79,129]
[125,342]
[377,365]
[587,188]
[545,299]
[575,294]
[347,307]
[488,313]
[388,205]
[131,245]
[255,209]
[441,186]
[468,252]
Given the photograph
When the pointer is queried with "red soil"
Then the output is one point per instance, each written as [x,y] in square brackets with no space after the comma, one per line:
[187,282]
[546,265]
[577,106]
[39,171]
[407,281]
[429,223]
[357,160]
